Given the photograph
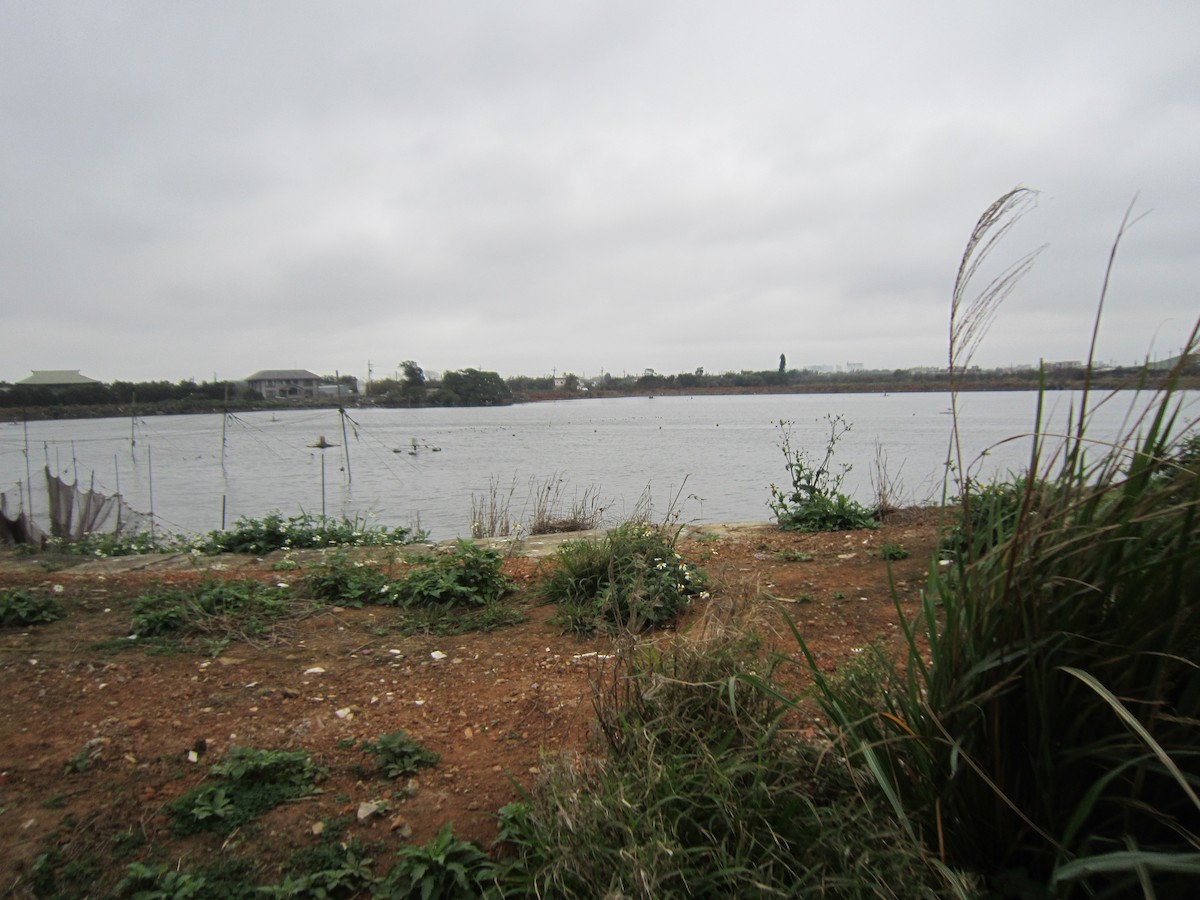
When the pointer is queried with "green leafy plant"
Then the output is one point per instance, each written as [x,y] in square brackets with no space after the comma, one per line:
[158,882]
[21,607]
[274,532]
[892,552]
[469,576]
[795,556]
[81,761]
[227,880]
[446,868]
[103,545]
[248,783]
[632,579]
[331,869]
[348,582]
[214,607]
[398,755]
[446,621]
[815,501]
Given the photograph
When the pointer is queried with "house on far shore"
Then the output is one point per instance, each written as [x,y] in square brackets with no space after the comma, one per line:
[285,384]
[56,378]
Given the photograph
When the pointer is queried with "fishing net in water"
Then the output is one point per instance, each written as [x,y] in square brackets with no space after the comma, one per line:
[75,512]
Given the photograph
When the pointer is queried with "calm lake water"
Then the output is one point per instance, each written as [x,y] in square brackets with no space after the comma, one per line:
[716,457]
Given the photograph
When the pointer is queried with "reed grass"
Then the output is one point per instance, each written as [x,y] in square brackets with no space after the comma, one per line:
[699,790]
[1044,729]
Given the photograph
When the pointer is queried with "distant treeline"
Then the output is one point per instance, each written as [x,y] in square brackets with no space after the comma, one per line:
[469,387]
[474,387]
[122,398]
[867,381]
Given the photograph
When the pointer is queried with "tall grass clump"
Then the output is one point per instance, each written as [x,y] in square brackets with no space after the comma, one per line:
[1044,730]
[700,791]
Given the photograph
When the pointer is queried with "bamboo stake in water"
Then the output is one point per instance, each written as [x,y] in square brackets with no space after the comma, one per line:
[224,423]
[117,470]
[345,440]
[150,481]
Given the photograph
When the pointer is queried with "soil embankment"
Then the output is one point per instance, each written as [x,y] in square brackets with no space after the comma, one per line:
[97,735]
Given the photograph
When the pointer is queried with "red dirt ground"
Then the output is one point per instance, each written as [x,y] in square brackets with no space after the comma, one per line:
[492,707]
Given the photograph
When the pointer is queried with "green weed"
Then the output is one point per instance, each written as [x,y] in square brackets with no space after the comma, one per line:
[53,875]
[274,532]
[445,622]
[795,556]
[21,607]
[892,552]
[213,609]
[701,791]
[815,501]
[330,869]
[470,576]
[397,755]
[632,579]
[348,582]
[446,868]
[245,785]
[227,880]
[104,545]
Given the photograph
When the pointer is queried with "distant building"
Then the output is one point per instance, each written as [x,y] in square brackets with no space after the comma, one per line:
[335,391]
[285,384]
[56,378]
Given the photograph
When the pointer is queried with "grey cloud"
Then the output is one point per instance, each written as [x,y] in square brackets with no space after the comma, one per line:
[572,186]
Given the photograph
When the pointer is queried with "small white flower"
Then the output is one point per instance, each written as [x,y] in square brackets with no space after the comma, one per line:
[58,589]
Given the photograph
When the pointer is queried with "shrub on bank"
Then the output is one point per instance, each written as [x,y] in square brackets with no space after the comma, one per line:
[630,580]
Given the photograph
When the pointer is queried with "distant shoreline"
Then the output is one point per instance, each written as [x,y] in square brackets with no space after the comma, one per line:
[1064,381]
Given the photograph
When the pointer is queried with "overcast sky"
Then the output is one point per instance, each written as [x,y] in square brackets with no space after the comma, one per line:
[212,187]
